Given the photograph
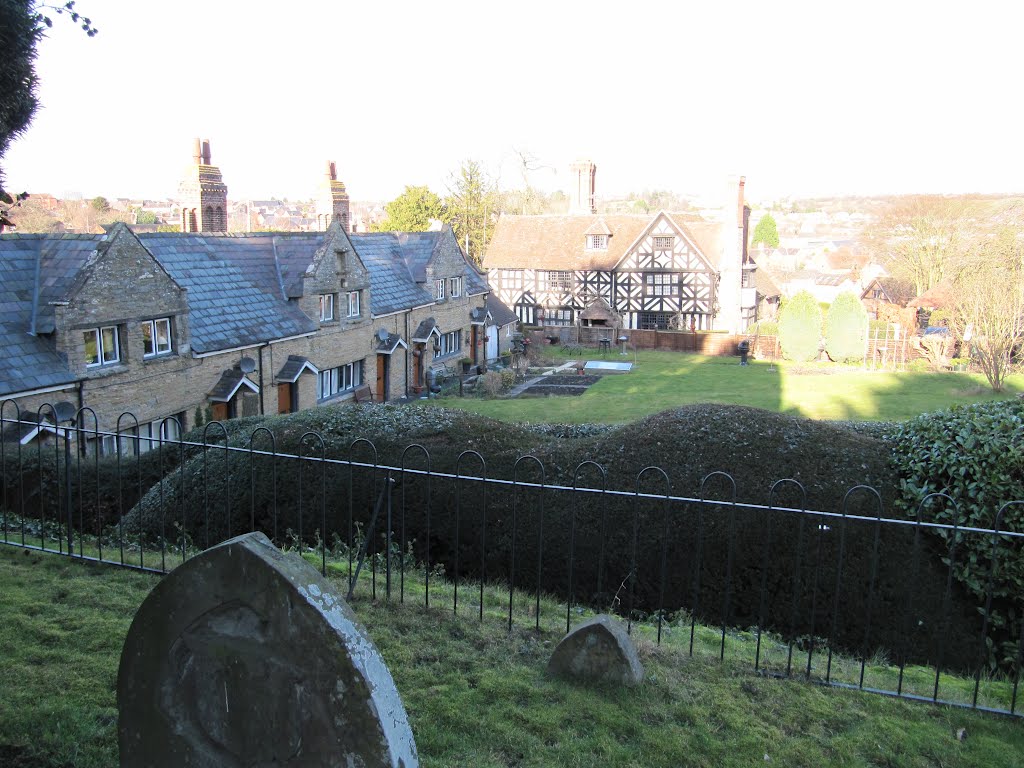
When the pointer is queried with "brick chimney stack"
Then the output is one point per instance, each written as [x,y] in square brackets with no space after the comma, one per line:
[204,196]
[332,200]
[582,175]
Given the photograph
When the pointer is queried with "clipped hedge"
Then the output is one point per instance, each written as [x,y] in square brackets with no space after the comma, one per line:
[975,454]
[800,327]
[845,326]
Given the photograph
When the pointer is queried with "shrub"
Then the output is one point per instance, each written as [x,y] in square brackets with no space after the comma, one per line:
[975,454]
[800,327]
[490,383]
[845,326]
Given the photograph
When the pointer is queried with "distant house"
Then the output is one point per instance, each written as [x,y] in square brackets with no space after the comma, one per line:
[824,286]
[654,271]
[882,292]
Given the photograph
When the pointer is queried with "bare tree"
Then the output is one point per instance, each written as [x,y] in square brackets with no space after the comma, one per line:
[928,238]
[988,309]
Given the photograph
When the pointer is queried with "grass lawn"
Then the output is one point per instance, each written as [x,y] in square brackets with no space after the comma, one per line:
[476,693]
[663,380]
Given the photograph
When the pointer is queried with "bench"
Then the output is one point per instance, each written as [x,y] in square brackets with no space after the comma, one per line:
[363,394]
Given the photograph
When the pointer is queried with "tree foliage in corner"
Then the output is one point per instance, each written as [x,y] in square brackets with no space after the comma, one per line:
[974,454]
[472,206]
[414,210]
[766,232]
[22,25]
[845,328]
[800,327]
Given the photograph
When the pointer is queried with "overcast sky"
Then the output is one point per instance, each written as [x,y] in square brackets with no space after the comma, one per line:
[801,97]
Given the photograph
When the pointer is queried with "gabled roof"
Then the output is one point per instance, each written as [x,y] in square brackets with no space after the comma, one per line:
[559,242]
[235,293]
[398,263]
[390,343]
[293,368]
[500,314]
[228,384]
[425,330]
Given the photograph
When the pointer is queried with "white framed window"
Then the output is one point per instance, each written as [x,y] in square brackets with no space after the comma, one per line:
[597,242]
[353,303]
[449,343]
[558,316]
[335,381]
[455,287]
[439,289]
[102,346]
[664,242]
[326,307]
[511,278]
[509,330]
[147,436]
[557,280]
[156,337]
[662,283]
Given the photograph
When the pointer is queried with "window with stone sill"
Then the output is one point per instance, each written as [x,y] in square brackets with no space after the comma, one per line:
[156,338]
[102,346]
[326,307]
[353,304]
[439,289]
[455,287]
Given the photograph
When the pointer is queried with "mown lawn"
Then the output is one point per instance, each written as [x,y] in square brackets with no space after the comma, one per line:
[663,380]
[476,693]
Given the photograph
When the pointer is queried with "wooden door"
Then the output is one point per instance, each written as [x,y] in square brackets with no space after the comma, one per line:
[474,335]
[382,378]
[284,397]
[219,411]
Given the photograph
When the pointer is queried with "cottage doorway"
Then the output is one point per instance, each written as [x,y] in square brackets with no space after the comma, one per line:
[383,371]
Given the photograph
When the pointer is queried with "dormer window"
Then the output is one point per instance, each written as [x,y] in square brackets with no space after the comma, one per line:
[353,303]
[597,242]
[101,346]
[439,290]
[326,307]
[455,287]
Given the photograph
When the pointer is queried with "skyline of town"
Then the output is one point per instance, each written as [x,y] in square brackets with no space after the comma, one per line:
[802,100]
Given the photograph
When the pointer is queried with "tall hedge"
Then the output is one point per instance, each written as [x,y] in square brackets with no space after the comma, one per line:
[845,326]
[975,454]
[800,327]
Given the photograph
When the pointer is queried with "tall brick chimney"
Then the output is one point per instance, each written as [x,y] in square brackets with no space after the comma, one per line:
[332,202]
[204,196]
[582,175]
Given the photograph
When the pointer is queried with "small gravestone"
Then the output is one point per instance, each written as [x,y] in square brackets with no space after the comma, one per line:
[597,650]
[244,657]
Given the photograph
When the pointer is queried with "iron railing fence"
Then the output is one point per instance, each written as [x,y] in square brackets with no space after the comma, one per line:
[847,597]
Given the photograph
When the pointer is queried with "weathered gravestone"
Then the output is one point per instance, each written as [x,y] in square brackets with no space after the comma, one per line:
[244,657]
[597,650]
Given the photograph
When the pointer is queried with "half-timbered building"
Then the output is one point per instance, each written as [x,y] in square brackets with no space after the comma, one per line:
[663,271]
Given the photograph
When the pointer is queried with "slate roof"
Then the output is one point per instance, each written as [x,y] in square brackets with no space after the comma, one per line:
[236,293]
[559,242]
[500,314]
[398,261]
[31,360]
[392,285]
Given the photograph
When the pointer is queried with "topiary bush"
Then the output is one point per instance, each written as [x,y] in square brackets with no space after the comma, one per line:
[975,454]
[845,326]
[800,327]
